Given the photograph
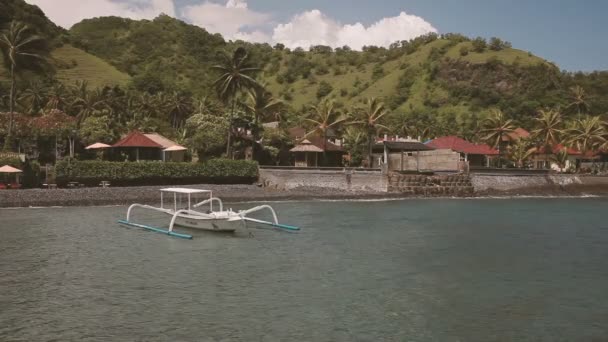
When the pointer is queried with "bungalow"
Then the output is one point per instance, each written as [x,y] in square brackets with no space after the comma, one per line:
[139,146]
[313,152]
[475,155]
[401,155]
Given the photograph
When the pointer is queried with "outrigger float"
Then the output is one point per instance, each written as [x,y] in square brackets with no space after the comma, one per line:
[210,220]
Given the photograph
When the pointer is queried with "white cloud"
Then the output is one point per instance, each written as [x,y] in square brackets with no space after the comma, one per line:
[68,12]
[234,20]
[315,28]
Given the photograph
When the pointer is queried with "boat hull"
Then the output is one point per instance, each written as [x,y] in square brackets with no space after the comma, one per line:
[215,225]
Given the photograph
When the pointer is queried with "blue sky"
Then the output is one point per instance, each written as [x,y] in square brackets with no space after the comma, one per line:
[568,32]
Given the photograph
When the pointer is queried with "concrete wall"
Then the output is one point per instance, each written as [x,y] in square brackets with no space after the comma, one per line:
[483,182]
[348,179]
[440,160]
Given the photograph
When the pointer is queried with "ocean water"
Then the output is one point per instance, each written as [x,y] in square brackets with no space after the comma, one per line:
[411,270]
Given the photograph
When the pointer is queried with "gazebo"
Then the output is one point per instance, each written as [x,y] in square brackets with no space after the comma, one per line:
[7,169]
[306,154]
[144,148]
[150,146]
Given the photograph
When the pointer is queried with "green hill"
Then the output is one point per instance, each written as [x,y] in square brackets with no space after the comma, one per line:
[450,79]
[73,65]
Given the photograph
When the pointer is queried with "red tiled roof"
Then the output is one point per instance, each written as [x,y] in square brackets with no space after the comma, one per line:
[460,145]
[136,139]
[557,148]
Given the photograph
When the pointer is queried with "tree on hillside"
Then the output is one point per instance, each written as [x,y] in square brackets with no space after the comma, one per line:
[549,128]
[495,128]
[237,74]
[579,100]
[323,117]
[22,50]
[369,119]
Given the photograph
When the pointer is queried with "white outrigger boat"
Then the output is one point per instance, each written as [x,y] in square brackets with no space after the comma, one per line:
[211,220]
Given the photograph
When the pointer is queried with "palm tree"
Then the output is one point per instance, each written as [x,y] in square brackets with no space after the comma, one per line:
[369,120]
[355,141]
[57,98]
[560,159]
[549,127]
[579,99]
[520,152]
[86,102]
[323,118]
[33,98]
[21,50]
[178,107]
[495,128]
[586,135]
[236,74]
[261,104]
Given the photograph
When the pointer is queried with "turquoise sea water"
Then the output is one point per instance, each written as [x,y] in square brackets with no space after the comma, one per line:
[412,270]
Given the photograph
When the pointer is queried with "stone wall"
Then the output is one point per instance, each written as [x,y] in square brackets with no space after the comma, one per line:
[440,185]
[346,179]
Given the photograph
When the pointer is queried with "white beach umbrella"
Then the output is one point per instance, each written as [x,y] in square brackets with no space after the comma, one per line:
[97,146]
[9,169]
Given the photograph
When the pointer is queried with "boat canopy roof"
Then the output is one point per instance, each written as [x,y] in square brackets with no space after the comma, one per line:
[185,190]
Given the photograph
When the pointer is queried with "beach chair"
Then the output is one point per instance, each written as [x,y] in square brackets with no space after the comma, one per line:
[15,186]
[2,186]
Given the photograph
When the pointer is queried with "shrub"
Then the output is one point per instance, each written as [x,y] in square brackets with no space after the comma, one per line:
[214,171]
[324,89]
[464,50]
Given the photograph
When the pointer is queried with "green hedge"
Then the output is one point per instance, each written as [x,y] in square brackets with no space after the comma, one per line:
[215,171]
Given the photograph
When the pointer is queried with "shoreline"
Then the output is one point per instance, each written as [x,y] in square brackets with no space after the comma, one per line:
[235,193]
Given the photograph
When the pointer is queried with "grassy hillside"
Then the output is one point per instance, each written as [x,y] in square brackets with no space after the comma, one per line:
[76,65]
[72,64]
[358,83]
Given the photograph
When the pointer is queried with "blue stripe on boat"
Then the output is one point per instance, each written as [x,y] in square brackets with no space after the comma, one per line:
[156,230]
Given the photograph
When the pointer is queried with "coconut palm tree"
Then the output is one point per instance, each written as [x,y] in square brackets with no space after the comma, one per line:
[261,105]
[33,98]
[355,141]
[560,159]
[520,152]
[549,127]
[236,75]
[323,118]
[495,128]
[21,50]
[178,106]
[578,97]
[586,135]
[369,121]
[86,102]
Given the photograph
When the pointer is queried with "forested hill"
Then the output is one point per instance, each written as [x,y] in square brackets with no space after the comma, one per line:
[448,79]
